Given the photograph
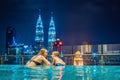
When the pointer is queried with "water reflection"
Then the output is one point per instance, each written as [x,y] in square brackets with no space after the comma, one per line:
[57,72]
[79,72]
[40,73]
[8,72]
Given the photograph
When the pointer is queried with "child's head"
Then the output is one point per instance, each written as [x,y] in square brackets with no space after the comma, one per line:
[55,53]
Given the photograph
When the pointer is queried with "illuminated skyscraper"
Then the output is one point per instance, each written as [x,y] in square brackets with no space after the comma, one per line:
[10,39]
[51,34]
[39,38]
[10,33]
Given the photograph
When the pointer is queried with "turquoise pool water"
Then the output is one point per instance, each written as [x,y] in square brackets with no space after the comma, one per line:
[18,72]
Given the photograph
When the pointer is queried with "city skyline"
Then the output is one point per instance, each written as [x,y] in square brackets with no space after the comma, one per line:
[76,21]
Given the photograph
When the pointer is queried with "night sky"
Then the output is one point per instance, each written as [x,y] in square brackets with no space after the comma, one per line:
[76,21]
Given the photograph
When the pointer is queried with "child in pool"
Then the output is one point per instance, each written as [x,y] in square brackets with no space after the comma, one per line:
[56,60]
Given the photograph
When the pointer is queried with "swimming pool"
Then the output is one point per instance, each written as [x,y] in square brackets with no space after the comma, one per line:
[19,72]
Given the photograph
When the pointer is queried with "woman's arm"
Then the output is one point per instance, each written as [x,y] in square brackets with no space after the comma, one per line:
[46,61]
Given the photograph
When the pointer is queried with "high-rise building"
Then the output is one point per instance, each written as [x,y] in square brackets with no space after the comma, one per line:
[51,33]
[86,48]
[105,48]
[10,33]
[39,38]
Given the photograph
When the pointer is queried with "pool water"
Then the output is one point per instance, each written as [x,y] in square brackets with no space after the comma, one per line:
[19,72]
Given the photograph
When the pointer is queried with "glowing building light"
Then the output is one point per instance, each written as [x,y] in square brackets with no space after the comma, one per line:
[51,34]
[39,38]
[14,43]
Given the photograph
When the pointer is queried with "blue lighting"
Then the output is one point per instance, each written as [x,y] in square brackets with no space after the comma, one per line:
[25,46]
[14,43]
[51,34]
[39,38]
[94,54]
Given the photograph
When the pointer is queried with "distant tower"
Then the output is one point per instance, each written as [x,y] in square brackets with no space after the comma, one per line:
[51,33]
[39,38]
[10,33]
[10,39]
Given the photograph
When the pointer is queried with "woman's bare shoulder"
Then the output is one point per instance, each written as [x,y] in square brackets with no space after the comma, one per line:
[40,56]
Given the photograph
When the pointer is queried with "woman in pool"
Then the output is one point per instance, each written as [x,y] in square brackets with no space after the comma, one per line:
[56,60]
[39,59]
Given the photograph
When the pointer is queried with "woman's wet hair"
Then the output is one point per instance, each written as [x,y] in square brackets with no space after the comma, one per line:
[42,51]
[56,53]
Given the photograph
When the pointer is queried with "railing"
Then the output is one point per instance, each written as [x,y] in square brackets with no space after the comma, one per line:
[100,48]
[88,59]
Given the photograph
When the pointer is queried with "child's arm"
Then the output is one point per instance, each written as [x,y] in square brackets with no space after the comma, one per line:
[53,61]
[64,63]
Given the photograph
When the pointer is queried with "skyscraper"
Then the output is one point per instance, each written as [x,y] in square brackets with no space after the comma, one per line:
[51,33]
[10,33]
[39,38]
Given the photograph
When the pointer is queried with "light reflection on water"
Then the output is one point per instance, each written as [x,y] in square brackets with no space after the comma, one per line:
[18,72]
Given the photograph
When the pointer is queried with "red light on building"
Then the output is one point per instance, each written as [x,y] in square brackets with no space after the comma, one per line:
[60,43]
[57,45]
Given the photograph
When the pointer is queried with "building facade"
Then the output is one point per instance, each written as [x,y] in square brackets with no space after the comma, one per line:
[51,34]
[39,38]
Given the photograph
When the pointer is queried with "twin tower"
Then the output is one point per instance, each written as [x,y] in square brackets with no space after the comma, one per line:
[39,38]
